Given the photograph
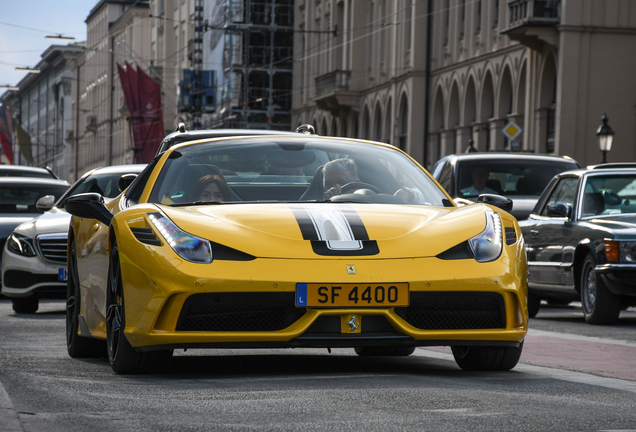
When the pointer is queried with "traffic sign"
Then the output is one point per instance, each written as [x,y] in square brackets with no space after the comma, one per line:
[512,130]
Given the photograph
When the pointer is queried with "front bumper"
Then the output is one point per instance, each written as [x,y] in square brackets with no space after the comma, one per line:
[620,279]
[156,299]
[26,276]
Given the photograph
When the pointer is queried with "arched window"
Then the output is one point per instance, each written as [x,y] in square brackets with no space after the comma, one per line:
[404,123]
[366,119]
[378,123]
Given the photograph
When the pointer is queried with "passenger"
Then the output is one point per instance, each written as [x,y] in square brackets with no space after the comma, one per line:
[479,176]
[212,188]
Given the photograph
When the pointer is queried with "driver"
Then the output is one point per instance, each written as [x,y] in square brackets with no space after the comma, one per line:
[340,172]
[337,173]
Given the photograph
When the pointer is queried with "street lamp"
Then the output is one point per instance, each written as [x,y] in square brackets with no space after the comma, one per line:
[605,136]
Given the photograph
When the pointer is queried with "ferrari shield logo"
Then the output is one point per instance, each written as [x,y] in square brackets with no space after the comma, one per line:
[351,269]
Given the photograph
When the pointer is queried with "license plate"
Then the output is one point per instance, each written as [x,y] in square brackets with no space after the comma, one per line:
[62,275]
[352,295]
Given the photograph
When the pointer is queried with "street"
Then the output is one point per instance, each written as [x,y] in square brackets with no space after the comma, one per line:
[572,376]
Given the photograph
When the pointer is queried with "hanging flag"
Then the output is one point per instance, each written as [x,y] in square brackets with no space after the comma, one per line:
[24,143]
[6,132]
[143,97]
[150,107]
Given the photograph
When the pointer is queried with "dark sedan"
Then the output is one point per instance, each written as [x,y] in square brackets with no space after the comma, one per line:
[520,177]
[581,242]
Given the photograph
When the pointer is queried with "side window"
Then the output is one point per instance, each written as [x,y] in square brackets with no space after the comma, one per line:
[137,187]
[564,192]
[445,177]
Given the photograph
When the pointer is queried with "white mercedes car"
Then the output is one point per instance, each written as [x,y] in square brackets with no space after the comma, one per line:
[34,256]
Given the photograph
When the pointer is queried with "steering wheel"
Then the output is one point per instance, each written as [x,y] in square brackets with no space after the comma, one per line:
[612,197]
[354,186]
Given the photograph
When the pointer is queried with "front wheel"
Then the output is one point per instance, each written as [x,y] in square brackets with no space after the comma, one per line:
[487,358]
[600,306]
[534,304]
[26,305]
[124,359]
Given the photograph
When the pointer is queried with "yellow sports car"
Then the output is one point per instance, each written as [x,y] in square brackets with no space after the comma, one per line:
[292,241]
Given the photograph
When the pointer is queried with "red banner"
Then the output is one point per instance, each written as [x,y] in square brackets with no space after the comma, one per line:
[143,97]
[6,132]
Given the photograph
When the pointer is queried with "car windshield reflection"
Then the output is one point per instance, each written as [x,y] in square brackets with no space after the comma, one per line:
[292,170]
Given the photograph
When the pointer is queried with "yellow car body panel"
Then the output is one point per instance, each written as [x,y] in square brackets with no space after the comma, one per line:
[157,286]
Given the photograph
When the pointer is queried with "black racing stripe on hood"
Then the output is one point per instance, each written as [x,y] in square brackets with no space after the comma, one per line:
[307,228]
[356,224]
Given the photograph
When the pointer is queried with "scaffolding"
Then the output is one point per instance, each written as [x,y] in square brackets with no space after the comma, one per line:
[257,63]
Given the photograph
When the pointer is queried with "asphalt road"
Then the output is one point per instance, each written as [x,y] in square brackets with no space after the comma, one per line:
[572,377]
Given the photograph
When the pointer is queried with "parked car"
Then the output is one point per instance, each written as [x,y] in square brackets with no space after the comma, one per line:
[34,258]
[300,241]
[26,171]
[520,177]
[581,242]
[18,197]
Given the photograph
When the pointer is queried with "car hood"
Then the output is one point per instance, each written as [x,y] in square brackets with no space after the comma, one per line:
[8,224]
[287,231]
[624,224]
[523,206]
[55,220]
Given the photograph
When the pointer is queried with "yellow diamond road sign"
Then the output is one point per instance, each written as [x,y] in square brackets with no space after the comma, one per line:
[512,130]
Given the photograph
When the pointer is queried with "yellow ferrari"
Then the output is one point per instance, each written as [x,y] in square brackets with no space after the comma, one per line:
[287,242]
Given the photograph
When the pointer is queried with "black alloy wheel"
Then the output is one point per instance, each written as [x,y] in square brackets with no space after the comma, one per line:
[534,304]
[26,305]
[600,306]
[487,358]
[124,359]
[76,345]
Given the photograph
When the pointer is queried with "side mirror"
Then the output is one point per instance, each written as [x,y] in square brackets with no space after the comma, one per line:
[89,205]
[559,210]
[125,181]
[496,200]
[45,203]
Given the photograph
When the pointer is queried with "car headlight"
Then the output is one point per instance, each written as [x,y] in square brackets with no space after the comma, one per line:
[620,251]
[486,246]
[21,245]
[187,246]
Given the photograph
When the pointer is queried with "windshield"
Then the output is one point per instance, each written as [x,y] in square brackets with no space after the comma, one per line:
[609,194]
[508,177]
[21,198]
[299,169]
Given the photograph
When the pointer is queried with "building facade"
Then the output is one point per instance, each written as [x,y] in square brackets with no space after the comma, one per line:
[553,68]
[43,108]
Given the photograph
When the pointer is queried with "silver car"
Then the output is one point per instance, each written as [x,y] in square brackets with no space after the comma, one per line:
[34,256]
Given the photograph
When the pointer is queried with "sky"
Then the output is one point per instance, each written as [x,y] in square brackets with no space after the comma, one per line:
[24,25]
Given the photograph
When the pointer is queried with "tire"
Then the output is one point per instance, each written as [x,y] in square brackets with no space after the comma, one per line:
[600,306]
[534,304]
[372,351]
[487,358]
[124,359]
[26,305]
[76,345]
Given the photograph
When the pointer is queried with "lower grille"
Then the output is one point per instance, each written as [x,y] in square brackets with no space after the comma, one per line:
[53,247]
[23,279]
[454,311]
[239,312]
